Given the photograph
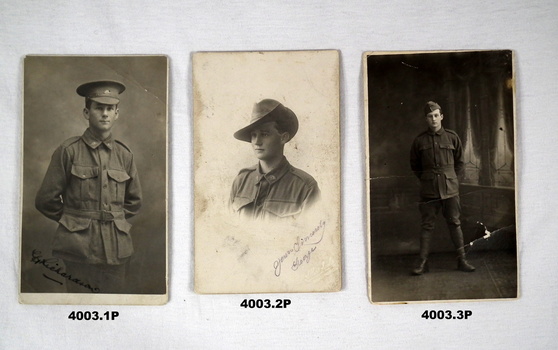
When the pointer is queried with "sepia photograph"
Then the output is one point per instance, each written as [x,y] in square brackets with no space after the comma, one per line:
[94,186]
[267,172]
[441,175]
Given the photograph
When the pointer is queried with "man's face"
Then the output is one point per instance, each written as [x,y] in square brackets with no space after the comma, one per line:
[101,116]
[434,120]
[267,142]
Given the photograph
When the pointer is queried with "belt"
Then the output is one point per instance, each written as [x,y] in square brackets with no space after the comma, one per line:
[101,215]
[440,169]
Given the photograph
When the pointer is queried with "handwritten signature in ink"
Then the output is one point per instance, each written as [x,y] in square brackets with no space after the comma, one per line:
[308,243]
[52,265]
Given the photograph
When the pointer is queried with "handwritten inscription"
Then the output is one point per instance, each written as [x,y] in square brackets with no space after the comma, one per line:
[305,245]
[52,265]
[305,259]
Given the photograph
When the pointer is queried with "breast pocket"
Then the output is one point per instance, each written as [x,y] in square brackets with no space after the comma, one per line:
[85,182]
[117,179]
[280,209]
[426,153]
[447,151]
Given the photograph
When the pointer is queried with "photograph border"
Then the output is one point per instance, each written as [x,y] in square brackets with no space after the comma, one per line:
[368,179]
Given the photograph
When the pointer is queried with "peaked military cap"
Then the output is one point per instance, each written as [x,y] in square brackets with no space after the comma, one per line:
[269,110]
[431,106]
[105,92]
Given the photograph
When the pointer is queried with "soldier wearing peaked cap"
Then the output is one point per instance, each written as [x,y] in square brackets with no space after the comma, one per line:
[273,188]
[91,188]
[437,160]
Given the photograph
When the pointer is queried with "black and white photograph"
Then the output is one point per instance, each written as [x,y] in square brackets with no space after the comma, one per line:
[94,215]
[267,171]
[441,175]
[273,188]
[326,98]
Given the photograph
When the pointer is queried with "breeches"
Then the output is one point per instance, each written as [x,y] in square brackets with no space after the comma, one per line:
[429,209]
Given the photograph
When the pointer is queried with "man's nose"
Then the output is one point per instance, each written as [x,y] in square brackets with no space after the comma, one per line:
[257,140]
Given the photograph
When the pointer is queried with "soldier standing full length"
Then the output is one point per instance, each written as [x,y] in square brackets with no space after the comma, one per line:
[437,159]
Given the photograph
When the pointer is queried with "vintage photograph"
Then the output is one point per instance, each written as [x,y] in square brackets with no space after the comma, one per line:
[267,172]
[441,175]
[94,187]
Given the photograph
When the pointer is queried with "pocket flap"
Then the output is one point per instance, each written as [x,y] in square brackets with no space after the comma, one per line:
[123,225]
[74,223]
[240,202]
[118,175]
[283,209]
[425,146]
[85,172]
[447,146]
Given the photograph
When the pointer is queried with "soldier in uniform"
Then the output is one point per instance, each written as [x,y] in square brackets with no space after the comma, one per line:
[437,160]
[91,188]
[273,188]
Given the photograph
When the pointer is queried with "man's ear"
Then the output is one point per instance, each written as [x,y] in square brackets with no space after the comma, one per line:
[441,116]
[86,113]
[116,114]
[285,137]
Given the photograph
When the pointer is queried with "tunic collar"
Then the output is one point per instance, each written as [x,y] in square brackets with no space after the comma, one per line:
[91,141]
[439,132]
[275,174]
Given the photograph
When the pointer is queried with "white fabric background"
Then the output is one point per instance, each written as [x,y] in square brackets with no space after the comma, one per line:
[319,321]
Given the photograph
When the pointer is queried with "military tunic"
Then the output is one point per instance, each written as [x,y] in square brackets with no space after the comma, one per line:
[284,192]
[90,188]
[437,160]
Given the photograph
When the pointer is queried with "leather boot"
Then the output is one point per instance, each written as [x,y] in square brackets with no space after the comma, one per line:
[422,266]
[462,263]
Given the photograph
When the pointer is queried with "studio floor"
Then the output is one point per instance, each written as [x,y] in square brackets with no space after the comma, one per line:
[495,278]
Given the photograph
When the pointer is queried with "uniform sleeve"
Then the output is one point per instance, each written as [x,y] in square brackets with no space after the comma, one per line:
[234,190]
[459,159]
[49,199]
[132,199]
[313,195]
[416,163]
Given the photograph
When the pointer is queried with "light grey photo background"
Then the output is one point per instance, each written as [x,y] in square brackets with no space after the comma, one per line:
[318,321]
[53,114]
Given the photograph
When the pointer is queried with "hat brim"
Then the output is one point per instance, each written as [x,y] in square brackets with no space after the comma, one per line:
[105,100]
[244,134]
